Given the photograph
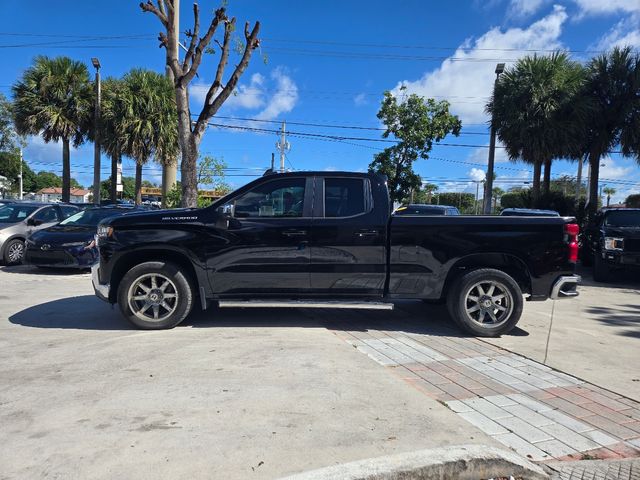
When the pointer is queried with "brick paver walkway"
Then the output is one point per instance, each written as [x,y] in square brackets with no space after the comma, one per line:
[541,413]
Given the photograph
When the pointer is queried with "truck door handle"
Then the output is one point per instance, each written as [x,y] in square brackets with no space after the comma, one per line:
[295,233]
[366,233]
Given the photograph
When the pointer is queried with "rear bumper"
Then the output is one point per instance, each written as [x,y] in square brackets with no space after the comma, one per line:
[101,289]
[565,287]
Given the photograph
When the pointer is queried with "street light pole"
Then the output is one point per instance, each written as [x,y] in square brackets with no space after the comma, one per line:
[96,142]
[488,186]
[20,175]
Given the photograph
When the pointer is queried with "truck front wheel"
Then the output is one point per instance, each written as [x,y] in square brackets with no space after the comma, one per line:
[155,295]
[485,302]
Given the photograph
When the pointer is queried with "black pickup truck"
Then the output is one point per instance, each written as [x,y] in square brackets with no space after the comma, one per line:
[611,242]
[328,239]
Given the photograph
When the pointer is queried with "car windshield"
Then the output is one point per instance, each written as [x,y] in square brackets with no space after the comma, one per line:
[90,217]
[15,213]
[628,218]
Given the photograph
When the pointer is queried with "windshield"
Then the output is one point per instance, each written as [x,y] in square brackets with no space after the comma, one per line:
[629,218]
[90,217]
[15,213]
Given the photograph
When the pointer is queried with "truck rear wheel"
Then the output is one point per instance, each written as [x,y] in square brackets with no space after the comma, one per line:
[155,295]
[485,302]
[601,270]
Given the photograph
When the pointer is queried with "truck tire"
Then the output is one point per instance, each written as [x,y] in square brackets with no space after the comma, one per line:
[485,302]
[601,271]
[155,295]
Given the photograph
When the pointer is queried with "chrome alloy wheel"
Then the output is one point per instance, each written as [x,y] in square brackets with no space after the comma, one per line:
[152,297]
[488,303]
[16,252]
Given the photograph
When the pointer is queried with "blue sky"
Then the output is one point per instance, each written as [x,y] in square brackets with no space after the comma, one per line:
[328,63]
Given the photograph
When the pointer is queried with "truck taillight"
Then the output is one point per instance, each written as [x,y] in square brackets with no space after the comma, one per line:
[571,231]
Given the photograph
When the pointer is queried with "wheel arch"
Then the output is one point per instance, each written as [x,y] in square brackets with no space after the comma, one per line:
[510,264]
[136,257]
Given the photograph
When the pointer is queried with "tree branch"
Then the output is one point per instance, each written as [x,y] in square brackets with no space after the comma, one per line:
[188,58]
[150,7]
[224,58]
[202,44]
[211,107]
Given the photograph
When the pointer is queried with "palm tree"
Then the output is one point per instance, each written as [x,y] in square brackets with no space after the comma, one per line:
[111,125]
[148,123]
[54,98]
[608,192]
[529,108]
[611,96]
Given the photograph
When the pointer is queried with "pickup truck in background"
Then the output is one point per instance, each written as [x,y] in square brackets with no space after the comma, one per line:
[611,242]
[328,239]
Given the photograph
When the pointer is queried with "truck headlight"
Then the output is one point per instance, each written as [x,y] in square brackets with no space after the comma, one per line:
[104,231]
[613,243]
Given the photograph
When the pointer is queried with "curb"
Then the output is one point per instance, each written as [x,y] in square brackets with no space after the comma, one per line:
[463,462]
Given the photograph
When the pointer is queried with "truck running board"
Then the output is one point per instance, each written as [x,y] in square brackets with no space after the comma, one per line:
[358,305]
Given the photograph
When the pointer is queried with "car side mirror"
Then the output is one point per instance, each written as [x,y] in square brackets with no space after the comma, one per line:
[32,222]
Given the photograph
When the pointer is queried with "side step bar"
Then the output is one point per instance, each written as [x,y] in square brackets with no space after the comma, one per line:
[305,304]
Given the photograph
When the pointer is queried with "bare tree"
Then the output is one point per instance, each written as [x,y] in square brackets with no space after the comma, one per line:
[190,132]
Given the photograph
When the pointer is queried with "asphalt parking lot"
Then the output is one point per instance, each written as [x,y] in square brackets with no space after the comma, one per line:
[253,394]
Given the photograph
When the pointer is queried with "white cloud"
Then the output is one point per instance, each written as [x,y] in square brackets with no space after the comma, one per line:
[274,96]
[524,8]
[605,7]
[625,32]
[476,174]
[481,155]
[360,99]
[284,98]
[469,72]
[612,171]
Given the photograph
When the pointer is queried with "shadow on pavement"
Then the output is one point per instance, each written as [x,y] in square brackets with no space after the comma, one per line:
[626,316]
[620,278]
[33,270]
[89,313]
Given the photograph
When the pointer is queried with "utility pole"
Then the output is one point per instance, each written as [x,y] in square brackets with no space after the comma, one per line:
[170,172]
[477,192]
[273,161]
[282,145]
[579,182]
[488,186]
[20,176]
[96,141]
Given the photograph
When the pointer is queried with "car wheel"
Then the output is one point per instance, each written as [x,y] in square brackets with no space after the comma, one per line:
[601,271]
[485,302]
[14,252]
[155,295]
[586,258]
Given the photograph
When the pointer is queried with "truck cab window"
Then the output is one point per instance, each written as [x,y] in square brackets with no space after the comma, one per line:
[343,197]
[279,198]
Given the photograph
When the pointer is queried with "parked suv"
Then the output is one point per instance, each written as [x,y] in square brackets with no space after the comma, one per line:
[19,220]
[612,242]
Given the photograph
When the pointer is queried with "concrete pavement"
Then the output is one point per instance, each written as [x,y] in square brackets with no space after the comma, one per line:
[236,395]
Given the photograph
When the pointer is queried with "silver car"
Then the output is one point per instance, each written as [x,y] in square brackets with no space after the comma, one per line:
[19,220]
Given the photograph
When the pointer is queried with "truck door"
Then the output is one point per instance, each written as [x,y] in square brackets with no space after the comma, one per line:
[264,249]
[348,238]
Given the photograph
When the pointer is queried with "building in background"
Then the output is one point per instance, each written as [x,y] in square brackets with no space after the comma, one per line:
[54,194]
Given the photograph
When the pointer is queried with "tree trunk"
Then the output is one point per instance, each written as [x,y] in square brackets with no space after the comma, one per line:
[189,174]
[138,183]
[594,162]
[537,167]
[546,186]
[66,171]
[579,182]
[115,160]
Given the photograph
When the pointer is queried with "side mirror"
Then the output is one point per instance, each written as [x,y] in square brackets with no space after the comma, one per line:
[32,222]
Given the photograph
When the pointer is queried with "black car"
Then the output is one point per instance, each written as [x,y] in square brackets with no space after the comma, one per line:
[423,209]
[70,243]
[612,242]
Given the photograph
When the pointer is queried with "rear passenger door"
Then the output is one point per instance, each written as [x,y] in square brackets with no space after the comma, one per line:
[348,238]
